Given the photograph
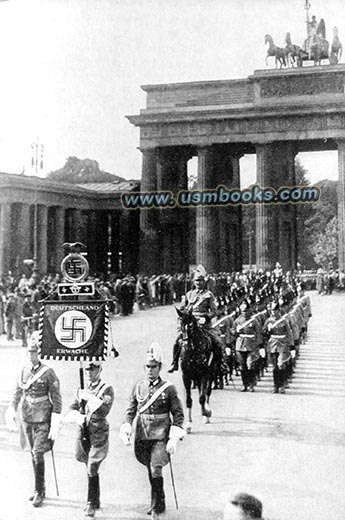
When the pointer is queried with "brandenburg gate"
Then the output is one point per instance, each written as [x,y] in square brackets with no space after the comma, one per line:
[275,114]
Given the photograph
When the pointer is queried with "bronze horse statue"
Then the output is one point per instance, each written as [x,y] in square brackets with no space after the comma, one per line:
[293,51]
[278,52]
[197,364]
[315,48]
[336,48]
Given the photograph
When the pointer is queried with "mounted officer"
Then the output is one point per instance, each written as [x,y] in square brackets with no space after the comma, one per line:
[38,392]
[93,436]
[201,303]
[158,410]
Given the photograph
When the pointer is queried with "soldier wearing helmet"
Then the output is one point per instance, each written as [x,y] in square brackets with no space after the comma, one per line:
[278,331]
[89,410]
[159,414]
[201,303]
[38,392]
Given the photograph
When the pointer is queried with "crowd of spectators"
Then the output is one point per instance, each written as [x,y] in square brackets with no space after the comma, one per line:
[20,295]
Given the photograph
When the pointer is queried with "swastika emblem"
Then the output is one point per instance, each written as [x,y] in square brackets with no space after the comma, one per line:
[73,329]
[75,267]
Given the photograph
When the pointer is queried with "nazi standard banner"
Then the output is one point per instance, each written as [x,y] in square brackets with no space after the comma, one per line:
[74,330]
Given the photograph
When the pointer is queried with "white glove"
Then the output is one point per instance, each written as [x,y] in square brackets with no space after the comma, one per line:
[73,416]
[10,419]
[202,321]
[84,394]
[172,446]
[125,433]
[54,426]
[175,434]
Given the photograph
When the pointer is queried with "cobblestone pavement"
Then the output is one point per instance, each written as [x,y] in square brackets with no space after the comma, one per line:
[288,450]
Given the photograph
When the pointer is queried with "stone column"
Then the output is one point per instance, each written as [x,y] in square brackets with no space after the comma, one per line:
[42,226]
[227,174]
[263,180]
[341,204]
[5,237]
[101,241]
[149,232]
[275,223]
[91,242]
[182,215]
[77,226]
[206,217]
[23,234]
[174,222]
[59,236]
[237,252]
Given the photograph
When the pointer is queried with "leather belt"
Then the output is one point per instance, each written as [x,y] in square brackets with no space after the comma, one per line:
[34,400]
[152,416]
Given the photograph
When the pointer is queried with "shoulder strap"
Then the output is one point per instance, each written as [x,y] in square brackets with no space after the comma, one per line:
[101,390]
[154,397]
[240,327]
[34,377]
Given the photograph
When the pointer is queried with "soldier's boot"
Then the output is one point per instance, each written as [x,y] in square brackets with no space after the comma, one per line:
[276,380]
[149,511]
[31,497]
[251,380]
[97,493]
[39,494]
[176,356]
[158,505]
[90,509]
[244,376]
[282,378]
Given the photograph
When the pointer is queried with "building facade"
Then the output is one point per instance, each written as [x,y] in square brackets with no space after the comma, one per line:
[90,213]
[274,114]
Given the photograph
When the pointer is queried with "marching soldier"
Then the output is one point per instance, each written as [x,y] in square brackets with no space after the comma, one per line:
[89,410]
[246,329]
[280,340]
[159,414]
[38,391]
[201,303]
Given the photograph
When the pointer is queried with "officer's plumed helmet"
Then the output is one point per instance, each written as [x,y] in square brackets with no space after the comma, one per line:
[200,273]
[154,353]
[33,342]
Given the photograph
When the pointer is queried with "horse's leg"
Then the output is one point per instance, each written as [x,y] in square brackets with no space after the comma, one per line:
[189,401]
[202,397]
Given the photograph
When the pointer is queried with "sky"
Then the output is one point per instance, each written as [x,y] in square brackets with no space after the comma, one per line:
[71,70]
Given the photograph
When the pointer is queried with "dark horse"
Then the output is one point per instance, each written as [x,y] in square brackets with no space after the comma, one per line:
[196,363]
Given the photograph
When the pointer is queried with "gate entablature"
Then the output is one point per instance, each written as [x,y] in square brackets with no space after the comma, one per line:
[288,104]
[273,113]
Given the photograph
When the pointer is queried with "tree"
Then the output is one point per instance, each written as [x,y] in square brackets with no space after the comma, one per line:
[81,171]
[325,249]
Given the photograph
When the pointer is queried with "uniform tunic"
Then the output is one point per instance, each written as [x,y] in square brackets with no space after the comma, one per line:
[280,338]
[247,330]
[38,401]
[201,302]
[97,427]
[153,424]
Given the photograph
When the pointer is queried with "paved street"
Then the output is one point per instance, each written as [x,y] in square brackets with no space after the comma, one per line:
[288,450]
